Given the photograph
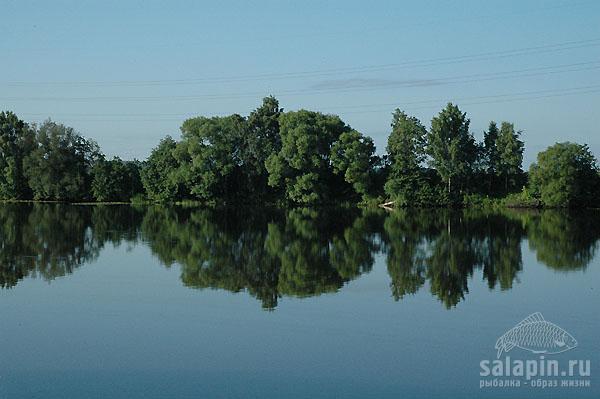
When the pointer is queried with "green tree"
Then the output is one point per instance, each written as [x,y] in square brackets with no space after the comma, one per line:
[209,155]
[261,140]
[302,168]
[16,141]
[159,173]
[353,156]
[491,158]
[406,154]
[452,148]
[565,175]
[510,156]
[59,168]
[115,180]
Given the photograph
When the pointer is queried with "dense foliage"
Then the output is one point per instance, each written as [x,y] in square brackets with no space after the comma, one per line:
[565,175]
[16,141]
[60,163]
[299,158]
[452,148]
[116,180]
[159,173]
[321,159]
[407,180]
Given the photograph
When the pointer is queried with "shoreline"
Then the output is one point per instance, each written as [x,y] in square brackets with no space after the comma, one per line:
[387,206]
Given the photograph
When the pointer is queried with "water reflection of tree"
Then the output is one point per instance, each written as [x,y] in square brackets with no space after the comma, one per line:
[499,244]
[564,240]
[52,240]
[116,224]
[301,252]
[44,240]
[445,247]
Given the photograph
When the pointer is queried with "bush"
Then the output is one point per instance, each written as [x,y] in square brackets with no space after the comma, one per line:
[524,199]
[480,201]
[565,175]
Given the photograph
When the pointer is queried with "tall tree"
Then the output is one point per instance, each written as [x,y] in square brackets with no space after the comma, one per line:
[263,137]
[210,156]
[406,154]
[510,155]
[16,141]
[490,153]
[59,168]
[261,140]
[452,148]
[159,173]
[353,156]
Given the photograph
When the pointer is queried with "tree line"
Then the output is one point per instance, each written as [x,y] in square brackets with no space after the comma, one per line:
[299,158]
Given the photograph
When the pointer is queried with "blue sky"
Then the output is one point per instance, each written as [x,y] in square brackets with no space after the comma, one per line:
[127,73]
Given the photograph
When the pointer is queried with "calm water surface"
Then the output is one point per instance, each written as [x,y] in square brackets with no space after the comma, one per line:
[172,302]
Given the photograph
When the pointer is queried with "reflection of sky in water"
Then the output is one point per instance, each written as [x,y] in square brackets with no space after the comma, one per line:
[123,325]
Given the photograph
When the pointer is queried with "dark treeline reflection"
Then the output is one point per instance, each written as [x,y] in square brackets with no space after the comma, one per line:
[51,240]
[299,252]
[445,248]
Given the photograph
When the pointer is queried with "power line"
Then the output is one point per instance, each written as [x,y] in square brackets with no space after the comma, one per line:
[456,99]
[493,100]
[420,104]
[460,79]
[486,56]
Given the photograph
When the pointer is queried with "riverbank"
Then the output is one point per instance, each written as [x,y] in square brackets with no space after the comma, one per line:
[470,201]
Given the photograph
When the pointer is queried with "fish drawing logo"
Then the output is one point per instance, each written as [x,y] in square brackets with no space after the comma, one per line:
[536,335]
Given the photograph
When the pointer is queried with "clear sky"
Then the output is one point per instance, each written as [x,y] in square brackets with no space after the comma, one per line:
[127,73]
